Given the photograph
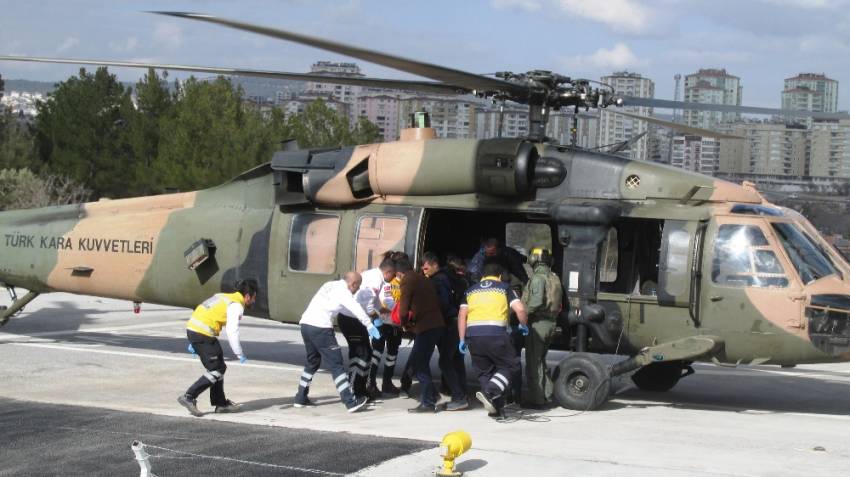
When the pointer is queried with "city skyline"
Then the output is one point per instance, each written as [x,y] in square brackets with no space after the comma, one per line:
[654,38]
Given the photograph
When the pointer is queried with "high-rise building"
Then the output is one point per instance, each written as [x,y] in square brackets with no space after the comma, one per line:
[382,110]
[340,92]
[614,128]
[810,92]
[711,86]
[513,121]
[451,116]
[768,149]
[829,145]
[696,153]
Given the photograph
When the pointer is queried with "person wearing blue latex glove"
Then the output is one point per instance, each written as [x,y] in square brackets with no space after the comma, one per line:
[523,329]
[191,350]
[242,359]
[462,347]
[374,332]
[378,323]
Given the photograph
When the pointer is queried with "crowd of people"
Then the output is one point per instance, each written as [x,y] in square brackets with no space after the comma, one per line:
[488,307]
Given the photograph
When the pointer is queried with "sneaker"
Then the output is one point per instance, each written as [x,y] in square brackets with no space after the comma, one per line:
[304,403]
[229,407]
[457,405]
[422,409]
[190,404]
[390,388]
[356,404]
[488,404]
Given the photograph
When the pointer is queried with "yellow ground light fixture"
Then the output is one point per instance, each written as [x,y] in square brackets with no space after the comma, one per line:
[452,446]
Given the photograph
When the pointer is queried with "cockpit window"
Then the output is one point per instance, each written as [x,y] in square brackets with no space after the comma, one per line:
[743,258]
[808,258]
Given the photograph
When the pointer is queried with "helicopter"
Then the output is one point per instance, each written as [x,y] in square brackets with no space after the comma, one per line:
[662,266]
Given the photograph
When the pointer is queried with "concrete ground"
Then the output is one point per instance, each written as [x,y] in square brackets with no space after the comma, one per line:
[121,372]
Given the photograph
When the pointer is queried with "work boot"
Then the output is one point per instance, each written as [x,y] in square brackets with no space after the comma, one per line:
[372,393]
[190,404]
[306,402]
[390,388]
[229,407]
[458,405]
[356,404]
[488,404]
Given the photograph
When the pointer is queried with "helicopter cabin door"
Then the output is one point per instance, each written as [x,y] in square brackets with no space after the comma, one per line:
[749,291]
[381,229]
[304,255]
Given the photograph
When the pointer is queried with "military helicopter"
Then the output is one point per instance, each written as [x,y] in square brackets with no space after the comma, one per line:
[663,266]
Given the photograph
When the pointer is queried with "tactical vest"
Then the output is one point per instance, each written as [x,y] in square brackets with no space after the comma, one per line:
[211,315]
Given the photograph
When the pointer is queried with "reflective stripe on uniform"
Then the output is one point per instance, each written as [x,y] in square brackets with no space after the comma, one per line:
[340,378]
[342,387]
[486,323]
[304,384]
[197,325]
[306,375]
[211,315]
[390,359]
[360,363]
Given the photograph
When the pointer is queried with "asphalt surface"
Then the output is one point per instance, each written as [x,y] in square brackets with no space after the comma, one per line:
[49,439]
[115,369]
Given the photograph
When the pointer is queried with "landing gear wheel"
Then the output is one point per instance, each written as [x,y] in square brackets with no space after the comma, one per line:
[582,382]
[659,377]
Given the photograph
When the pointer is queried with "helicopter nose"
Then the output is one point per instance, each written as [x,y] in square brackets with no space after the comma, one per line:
[828,318]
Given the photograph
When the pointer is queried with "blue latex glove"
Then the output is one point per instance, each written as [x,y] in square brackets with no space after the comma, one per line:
[523,329]
[191,349]
[242,359]
[374,333]
[378,322]
[462,347]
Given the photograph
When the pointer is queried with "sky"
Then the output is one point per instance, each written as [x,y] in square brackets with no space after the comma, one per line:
[761,41]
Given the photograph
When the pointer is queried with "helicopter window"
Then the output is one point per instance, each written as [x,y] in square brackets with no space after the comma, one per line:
[312,243]
[527,236]
[743,258]
[809,260]
[610,258]
[674,274]
[377,234]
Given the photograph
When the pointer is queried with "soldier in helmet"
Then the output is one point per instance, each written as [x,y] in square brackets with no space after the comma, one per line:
[542,299]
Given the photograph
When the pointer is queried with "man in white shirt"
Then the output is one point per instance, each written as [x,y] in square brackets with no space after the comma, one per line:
[320,341]
[380,281]
[202,330]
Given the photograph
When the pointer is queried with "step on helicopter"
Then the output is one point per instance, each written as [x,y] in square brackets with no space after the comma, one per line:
[660,265]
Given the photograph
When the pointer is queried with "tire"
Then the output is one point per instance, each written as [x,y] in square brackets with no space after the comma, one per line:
[582,382]
[658,377]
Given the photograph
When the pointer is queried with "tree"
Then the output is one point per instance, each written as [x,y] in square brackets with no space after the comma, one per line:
[321,126]
[211,137]
[154,102]
[16,143]
[21,189]
[81,133]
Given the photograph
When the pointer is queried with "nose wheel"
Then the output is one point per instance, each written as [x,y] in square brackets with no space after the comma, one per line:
[582,382]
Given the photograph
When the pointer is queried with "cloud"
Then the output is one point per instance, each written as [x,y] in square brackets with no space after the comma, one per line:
[129,44]
[527,5]
[619,57]
[168,35]
[68,44]
[627,16]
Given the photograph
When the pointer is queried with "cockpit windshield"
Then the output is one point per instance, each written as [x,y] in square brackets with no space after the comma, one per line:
[808,258]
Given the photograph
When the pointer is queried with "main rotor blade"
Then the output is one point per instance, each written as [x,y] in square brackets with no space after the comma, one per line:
[470,81]
[422,86]
[726,108]
[676,126]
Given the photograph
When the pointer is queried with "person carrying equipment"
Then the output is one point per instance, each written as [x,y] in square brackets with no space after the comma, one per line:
[543,299]
[483,322]
[317,329]
[202,330]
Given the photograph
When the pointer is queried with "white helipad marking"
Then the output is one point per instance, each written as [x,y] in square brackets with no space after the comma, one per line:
[146,355]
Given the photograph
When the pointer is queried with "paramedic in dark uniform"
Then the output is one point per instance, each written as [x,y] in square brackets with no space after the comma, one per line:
[482,326]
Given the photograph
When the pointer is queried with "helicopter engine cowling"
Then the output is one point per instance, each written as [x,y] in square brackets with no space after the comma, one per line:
[499,167]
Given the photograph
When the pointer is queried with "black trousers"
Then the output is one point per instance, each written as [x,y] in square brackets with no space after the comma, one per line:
[390,341]
[495,361]
[359,352]
[321,346]
[518,342]
[423,348]
[212,357]
[452,365]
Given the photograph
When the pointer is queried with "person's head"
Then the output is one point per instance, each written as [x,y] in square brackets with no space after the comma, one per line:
[353,281]
[492,269]
[430,264]
[403,267]
[457,264]
[540,255]
[387,268]
[491,247]
[248,289]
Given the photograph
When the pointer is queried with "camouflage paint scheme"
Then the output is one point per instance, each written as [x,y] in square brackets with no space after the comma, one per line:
[133,249]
